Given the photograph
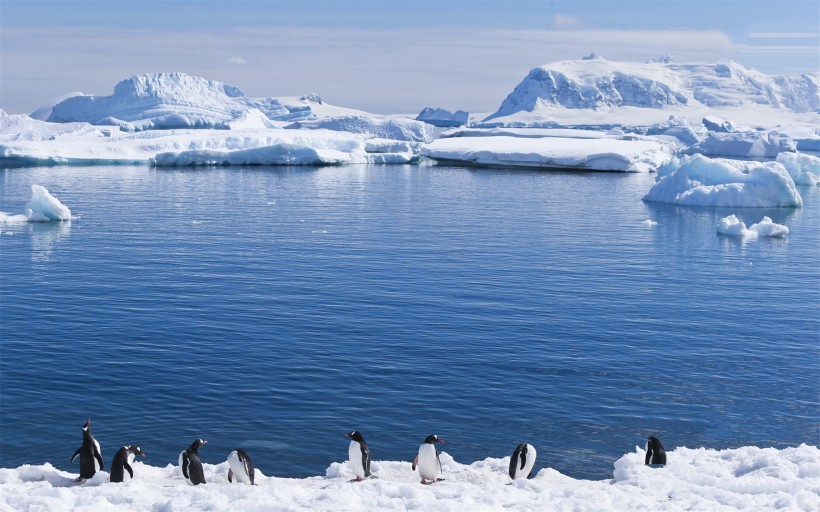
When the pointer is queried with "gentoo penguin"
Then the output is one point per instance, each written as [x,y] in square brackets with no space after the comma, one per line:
[91,460]
[241,467]
[522,461]
[427,460]
[359,455]
[655,454]
[122,463]
[191,465]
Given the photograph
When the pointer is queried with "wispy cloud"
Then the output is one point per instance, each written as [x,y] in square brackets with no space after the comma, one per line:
[785,35]
[565,21]
[237,60]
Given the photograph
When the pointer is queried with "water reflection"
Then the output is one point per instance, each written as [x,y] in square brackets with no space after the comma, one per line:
[44,238]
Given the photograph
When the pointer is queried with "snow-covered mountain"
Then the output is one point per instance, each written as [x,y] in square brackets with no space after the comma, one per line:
[598,84]
[178,100]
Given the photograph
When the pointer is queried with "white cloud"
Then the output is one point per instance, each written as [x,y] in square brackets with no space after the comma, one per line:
[784,35]
[565,21]
[237,60]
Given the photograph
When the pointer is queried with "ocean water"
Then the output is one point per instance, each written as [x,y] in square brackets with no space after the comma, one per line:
[277,309]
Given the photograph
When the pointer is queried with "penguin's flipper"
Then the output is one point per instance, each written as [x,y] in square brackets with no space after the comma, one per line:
[440,470]
[185,462]
[366,463]
[76,453]
[99,459]
[523,459]
[230,475]
[415,462]
[128,468]
[648,456]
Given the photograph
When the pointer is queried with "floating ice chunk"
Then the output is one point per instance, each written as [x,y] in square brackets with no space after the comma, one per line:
[700,181]
[43,207]
[649,223]
[804,169]
[732,226]
[443,118]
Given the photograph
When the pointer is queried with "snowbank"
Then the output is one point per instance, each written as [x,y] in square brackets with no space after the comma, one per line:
[732,226]
[698,180]
[747,478]
[599,154]
[43,207]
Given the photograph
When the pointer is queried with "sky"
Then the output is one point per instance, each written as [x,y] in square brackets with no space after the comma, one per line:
[385,56]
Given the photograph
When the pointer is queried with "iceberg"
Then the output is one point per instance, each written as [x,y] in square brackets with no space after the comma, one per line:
[732,226]
[739,479]
[804,169]
[396,129]
[42,207]
[700,181]
[443,118]
[743,145]
[595,154]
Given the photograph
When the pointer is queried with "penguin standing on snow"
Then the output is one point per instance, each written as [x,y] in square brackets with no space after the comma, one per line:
[241,467]
[91,460]
[122,463]
[522,461]
[655,454]
[190,463]
[359,455]
[427,460]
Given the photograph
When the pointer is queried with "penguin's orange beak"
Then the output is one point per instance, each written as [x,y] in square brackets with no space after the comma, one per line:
[347,435]
[439,440]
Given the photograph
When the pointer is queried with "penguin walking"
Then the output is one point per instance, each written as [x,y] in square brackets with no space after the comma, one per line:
[427,460]
[655,454]
[190,463]
[122,463]
[522,461]
[359,455]
[241,467]
[91,460]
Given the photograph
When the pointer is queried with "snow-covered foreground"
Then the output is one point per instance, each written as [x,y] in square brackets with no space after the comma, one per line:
[747,478]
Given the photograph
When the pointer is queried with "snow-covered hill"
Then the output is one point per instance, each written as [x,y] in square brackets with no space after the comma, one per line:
[177,100]
[598,85]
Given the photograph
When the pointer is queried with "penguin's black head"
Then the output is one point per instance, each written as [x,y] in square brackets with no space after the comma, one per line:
[136,450]
[356,436]
[654,442]
[87,425]
[432,438]
[196,444]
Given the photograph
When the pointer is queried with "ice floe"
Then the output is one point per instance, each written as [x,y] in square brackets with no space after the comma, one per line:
[42,207]
[732,226]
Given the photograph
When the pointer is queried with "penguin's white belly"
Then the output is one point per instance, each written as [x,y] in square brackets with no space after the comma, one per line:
[429,467]
[96,462]
[354,454]
[240,471]
[530,462]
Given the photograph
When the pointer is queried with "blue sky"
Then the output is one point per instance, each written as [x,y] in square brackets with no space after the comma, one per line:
[388,56]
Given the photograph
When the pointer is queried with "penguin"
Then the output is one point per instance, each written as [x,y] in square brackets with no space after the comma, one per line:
[191,465]
[359,455]
[522,461]
[122,462]
[655,454]
[427,460]
[241,467]
[91,460]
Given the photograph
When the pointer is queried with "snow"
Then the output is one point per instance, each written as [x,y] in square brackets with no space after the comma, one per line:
[732,226]
[601,154]
[746,478]
[396,129]
[700,181]
[43,207]
[804,169]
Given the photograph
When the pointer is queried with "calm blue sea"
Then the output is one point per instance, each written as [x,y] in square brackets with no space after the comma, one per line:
[276,309]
